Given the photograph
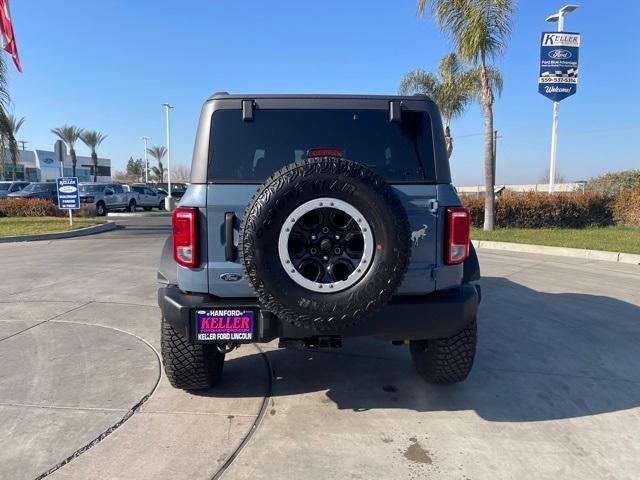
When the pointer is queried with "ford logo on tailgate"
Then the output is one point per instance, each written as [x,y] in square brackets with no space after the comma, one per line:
[230,277]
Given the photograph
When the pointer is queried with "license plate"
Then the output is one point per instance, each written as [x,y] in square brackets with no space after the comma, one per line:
[225,324]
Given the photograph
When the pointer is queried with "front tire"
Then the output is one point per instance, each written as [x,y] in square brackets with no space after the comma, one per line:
[189,366]
[161,205]
[446,360]
[132,206]
[101,209]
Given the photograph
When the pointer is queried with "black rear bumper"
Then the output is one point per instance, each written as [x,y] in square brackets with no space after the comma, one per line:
[437,315]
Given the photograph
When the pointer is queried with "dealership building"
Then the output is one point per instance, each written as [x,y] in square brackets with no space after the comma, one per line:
[44,166]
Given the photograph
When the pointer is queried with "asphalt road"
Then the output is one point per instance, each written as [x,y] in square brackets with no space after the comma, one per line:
[555,392]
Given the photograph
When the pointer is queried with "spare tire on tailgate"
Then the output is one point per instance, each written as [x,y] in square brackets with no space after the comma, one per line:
[324,243]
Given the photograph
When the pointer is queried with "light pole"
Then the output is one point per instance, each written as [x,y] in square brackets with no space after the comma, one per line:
[169,199]
[556,17]
[146,159]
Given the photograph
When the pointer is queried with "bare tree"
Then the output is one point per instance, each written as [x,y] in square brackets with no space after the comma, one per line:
[560,178]
[181,173]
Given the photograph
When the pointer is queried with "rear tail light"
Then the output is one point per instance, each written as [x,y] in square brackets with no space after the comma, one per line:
[185,245]
[458,224]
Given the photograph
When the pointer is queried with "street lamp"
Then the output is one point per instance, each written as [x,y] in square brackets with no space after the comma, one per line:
[169,200]
[146,159]
[559,17]
[556,17]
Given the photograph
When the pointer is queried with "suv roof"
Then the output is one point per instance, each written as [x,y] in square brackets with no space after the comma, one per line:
[247,96]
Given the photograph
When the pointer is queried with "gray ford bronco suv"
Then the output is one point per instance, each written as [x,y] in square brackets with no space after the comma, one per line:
[312,219]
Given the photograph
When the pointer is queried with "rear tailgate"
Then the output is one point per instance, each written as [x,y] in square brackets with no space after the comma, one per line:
[418,203]
[221,200]
[226,277]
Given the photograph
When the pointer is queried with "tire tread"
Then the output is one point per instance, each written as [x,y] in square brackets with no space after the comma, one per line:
[189,366]
[446,360]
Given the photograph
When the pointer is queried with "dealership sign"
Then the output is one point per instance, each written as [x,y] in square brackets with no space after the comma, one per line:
[68,194]
[558,65]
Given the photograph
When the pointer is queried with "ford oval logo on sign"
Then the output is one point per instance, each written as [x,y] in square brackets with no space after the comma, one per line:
[230,277]
[48,160]
[559,54]
[67,189]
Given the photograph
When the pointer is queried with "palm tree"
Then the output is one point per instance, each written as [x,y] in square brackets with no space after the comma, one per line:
[93,139]
[480,31]
[69,134]
[158,153]
[155,173]
[14,125]
[7,139]
[452,88]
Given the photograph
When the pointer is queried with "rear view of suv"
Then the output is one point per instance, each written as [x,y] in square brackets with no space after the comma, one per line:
[313,219]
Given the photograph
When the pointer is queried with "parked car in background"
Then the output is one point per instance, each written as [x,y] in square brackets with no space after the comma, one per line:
[45,190]
[11,187]
[177,189]
[146,197]
[107,197]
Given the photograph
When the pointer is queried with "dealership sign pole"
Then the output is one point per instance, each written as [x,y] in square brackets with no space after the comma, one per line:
[558,77]
[68,195]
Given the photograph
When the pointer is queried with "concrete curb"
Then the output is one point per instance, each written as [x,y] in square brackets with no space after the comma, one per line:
[81,232]
[619,257]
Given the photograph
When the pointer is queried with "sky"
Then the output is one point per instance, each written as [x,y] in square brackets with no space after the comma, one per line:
[109,65]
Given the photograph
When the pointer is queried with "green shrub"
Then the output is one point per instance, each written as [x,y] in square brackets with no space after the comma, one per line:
[612,183]
[626,207]
[36,207]
[540,210]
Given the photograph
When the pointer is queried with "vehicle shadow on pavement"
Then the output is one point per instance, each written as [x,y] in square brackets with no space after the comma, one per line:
[541,356]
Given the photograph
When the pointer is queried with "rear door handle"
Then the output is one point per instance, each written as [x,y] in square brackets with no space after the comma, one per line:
[229,247]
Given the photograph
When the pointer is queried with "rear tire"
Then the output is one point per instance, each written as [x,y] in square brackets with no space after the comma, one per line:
[132,206]
[446,360]
[189,366]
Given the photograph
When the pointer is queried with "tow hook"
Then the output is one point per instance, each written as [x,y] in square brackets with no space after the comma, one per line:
[227,347]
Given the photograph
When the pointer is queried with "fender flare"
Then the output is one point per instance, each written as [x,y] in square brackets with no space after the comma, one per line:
[168,268]
[471,266]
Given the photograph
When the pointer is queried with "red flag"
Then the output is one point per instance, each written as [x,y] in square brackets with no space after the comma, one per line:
[8,38]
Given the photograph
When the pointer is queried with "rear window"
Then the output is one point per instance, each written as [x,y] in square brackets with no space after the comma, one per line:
[252,150]
[90,188]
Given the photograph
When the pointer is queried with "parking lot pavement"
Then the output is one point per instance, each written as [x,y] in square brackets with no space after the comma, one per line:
[80,373]
[555,392]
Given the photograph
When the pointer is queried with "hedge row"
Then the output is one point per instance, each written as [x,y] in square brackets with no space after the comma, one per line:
[35,207]
[612,183]
[626,207]
[540,210]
